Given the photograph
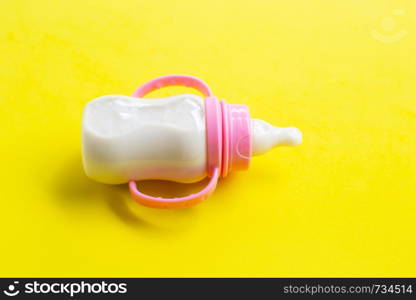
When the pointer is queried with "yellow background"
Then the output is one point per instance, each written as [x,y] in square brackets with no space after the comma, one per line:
[342,204]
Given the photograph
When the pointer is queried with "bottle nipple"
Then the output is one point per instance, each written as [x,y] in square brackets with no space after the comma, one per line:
[266,136]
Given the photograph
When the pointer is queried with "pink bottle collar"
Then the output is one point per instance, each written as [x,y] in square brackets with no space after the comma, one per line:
[228,136]
[229,142]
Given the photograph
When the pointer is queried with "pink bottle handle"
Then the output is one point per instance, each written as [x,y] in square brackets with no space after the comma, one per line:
[171,80]
[159,202]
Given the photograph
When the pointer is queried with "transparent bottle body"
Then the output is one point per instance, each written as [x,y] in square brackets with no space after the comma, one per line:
[126,138]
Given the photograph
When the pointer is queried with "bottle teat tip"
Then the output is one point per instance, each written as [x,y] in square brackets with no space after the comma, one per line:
[266,136]
[294,136]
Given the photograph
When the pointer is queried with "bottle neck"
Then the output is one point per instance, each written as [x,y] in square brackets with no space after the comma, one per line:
[229,139]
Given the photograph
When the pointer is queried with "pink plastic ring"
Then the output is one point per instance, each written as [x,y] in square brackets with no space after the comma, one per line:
[213,123]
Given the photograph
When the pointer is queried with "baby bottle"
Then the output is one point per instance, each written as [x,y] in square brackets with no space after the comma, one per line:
[182,138]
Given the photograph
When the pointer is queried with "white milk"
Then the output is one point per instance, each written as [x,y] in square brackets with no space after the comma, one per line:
[130,138]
